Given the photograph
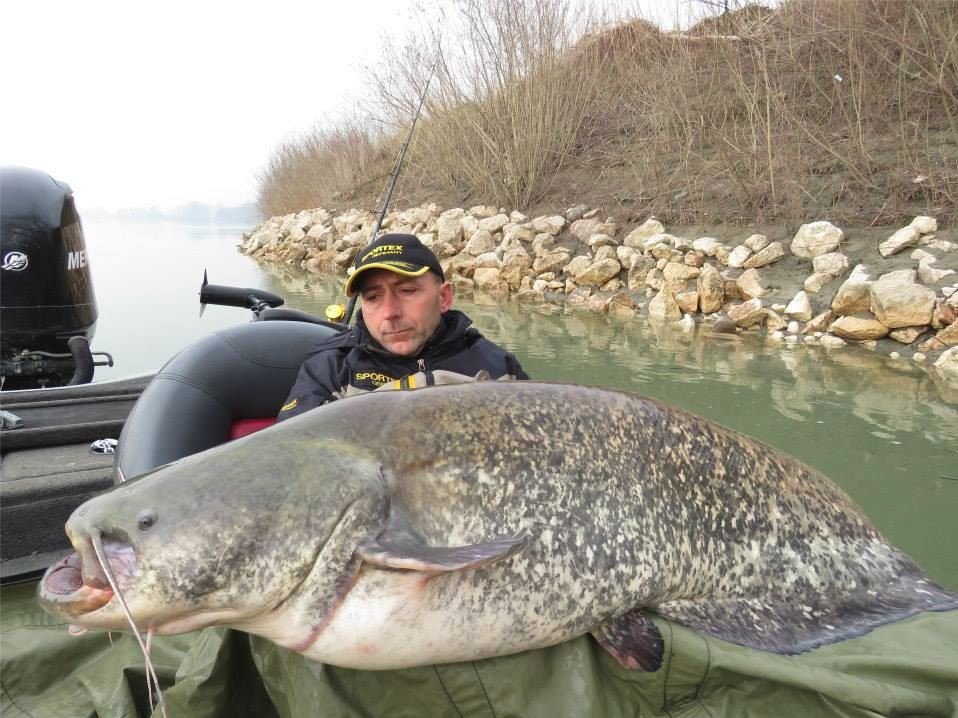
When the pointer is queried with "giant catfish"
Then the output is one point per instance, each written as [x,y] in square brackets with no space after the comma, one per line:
[461,522]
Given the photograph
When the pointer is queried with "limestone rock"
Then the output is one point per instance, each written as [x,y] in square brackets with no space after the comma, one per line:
[543,244]
[924,225]
[664,307]
[858,327]
[757,242]
[906,335]
[904,237]
[816,238]
[578,265]
[947,365]
[765,256]
[706,245]
[601,240]
[480,243]
[449,226]
[517,233]
[694,258]
[711,289]
[898,303]
[814,282]
[462,263]
[800,307]
[688,302]
[554,261]
[738,256]
[599,272]
[750,285]
[773,322]
[584,228]
[920,255]
[482,211]
[948,336]
[637,236]
[488,259]
[675,272]
[927,274]
[855,293]
[833,263]
[487,278]
[747,314]
[493,224]
[552,224]
[819,323]
[829,341]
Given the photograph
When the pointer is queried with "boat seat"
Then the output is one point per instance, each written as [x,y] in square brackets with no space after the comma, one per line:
[223,386]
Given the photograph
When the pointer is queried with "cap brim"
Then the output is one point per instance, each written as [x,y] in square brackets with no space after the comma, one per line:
[388,266]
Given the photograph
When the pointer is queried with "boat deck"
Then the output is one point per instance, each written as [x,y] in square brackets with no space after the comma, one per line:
[47,468]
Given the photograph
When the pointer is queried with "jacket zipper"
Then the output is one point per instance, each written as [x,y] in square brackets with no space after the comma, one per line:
[422,364]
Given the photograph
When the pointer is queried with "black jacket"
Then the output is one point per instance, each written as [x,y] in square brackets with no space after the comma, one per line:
[355,359]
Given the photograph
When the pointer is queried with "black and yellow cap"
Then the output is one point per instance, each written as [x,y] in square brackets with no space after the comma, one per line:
[400,253]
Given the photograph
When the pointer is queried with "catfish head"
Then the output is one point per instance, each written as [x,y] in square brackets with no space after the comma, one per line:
[222,537]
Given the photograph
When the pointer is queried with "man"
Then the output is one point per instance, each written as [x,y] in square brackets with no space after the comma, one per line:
[407,325]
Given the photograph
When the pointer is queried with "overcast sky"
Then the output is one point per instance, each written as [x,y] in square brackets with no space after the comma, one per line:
[138,105]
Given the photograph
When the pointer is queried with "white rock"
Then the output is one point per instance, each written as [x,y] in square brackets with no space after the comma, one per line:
[947,364]
[929,275]
[924,224]
[757,242]
[903,238]
[637,236]
[816,238]
[770,253]
[833,263]
[552,224]
[738,256]
[493,224]
[706,245]
[921,255]
[800,307]
[480,243]
[900,303]
[830,341]
[814,282]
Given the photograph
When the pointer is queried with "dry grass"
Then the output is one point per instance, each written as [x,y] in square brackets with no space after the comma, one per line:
[846,109]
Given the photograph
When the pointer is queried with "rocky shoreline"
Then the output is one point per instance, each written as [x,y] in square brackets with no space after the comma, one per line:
[894,292]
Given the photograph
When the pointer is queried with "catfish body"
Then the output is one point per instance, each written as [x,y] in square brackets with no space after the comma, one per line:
[460,522]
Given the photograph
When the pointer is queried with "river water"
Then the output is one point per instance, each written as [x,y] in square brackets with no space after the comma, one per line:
[879,427]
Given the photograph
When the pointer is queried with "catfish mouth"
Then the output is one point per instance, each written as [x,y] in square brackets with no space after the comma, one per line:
[77,585]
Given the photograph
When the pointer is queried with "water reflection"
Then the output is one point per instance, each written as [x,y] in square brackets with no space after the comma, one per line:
[882,428]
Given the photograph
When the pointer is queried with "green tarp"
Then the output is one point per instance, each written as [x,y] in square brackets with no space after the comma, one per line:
[905,669]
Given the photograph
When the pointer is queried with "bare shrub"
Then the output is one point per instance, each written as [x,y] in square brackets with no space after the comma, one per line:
[819,104]
[321,167]
[509,102]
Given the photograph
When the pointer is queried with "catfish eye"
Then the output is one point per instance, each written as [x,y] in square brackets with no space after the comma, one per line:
[145,519]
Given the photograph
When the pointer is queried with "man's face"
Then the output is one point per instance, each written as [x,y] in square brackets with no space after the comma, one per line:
[402,312]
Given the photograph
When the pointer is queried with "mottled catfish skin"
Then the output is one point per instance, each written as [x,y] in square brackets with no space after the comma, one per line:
[460,522]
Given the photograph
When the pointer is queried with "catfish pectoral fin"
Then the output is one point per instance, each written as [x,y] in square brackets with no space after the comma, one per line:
[403,550]
[633,640]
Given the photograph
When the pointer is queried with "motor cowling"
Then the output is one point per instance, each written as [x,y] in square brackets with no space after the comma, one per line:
[46,291]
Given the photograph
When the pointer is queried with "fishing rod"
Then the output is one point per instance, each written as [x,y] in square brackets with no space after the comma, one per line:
[351,305]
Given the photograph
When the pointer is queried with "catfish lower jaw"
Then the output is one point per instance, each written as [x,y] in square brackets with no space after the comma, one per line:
[63,590]
[73,589]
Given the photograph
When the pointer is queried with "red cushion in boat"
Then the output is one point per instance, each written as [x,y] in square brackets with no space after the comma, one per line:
[242,427]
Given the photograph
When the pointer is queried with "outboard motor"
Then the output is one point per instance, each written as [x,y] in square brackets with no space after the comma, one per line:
[48,309]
